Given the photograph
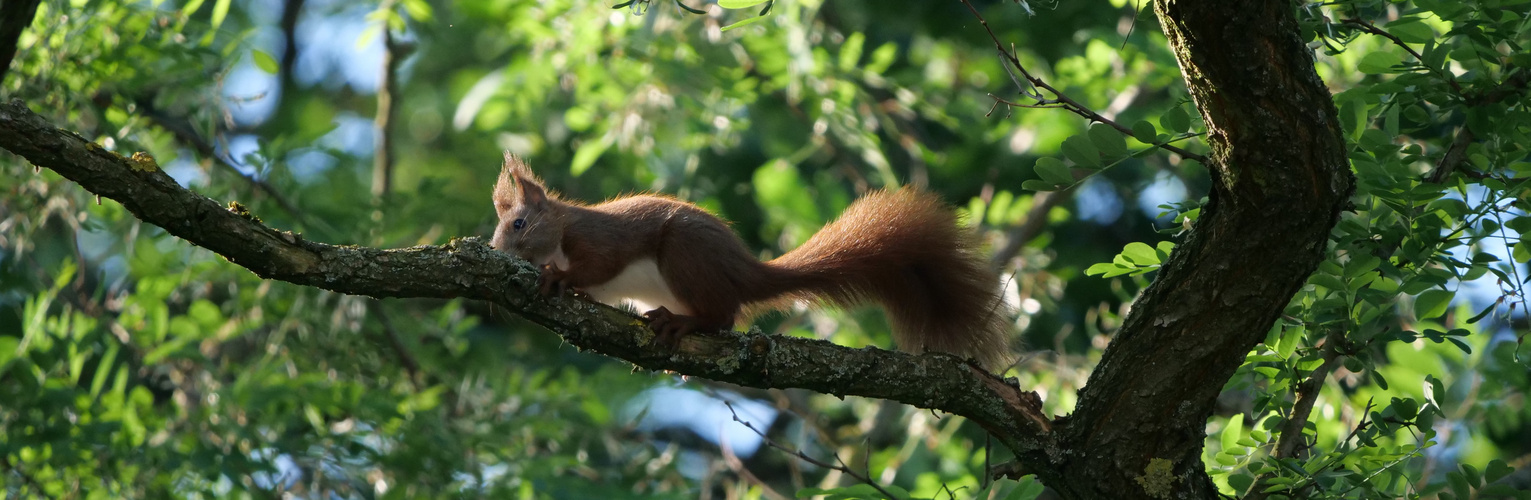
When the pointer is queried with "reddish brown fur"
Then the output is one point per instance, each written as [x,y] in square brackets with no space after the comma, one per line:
[900,249]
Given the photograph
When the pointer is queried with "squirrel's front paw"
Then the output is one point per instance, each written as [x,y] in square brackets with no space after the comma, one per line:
[552,280]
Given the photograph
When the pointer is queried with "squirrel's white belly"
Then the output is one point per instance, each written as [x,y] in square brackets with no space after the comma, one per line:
[641,285]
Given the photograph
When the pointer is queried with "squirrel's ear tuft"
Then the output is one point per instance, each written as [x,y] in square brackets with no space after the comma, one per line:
[515,167]
[517,177]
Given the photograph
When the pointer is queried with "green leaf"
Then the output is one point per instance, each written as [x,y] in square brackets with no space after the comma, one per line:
[1028,489]
[1432,303]
[585,156]
[1082,151]
[1145,132]
[1039,185]
[1327,281]
[420,10]
[1141,254]
[1176,120]
[1235,430]
[1359,265]
[264,61]
[745,22]
[883,57]
[1496,470]
[1164,249]
[191,7]
[739,4]
[1458,485]
[103,368]
[1411,30]
[850,51]
[1241,482]
[1474,479]
[1353,118]
[220,11]
[1053,170]
[8,348]
[1108,140]
[1290,339]
[1378,62]
[1521,224]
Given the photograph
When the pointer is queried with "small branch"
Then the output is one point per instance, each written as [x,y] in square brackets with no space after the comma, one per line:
[1456,154]
[291,11]
[1368,27]
[183,131]
[1036,220]
[382,156]
[1307,394]
[1061,100]
[396,343]
[841,467]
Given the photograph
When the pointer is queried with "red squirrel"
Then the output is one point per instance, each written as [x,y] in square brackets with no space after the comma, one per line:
[902,249]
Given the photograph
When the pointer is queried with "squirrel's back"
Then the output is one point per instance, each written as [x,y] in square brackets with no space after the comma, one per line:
[905,251]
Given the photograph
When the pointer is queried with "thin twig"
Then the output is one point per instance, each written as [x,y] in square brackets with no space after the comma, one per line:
[842,468]
[1061,100]
[382,155]
[1456,154]
[1307,394]
[396,343]
[1036,220]
[182,130]
[1368,27]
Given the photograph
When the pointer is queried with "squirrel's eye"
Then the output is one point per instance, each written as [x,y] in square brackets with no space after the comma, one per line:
[518,224]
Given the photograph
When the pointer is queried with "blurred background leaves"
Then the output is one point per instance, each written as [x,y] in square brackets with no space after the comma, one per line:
[135,365]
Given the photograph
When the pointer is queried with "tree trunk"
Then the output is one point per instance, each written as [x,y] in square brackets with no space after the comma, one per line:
[1280,181]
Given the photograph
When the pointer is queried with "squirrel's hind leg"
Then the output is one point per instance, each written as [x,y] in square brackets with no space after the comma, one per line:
[670,327]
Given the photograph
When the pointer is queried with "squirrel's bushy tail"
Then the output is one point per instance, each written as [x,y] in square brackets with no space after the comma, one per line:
[905,251]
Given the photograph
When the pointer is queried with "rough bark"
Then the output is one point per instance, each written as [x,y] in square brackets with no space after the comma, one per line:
[1280,181]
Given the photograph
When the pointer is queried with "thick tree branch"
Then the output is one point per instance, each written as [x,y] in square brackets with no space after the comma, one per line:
[468,268]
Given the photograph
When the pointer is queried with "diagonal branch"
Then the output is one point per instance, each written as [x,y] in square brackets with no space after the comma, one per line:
[183,131]
[1363,25]
[1287,446]
[1457,152]
[468,268]
[1062,100]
